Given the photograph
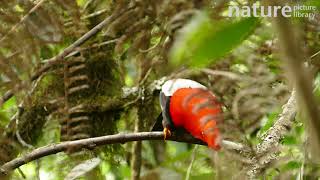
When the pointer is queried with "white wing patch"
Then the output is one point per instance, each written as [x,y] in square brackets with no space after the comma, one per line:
[171,86]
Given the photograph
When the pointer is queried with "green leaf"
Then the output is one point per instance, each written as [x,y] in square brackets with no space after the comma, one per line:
[7,110]
[270,119]
[203,41]
[315,3]
[289,140]
[292,165]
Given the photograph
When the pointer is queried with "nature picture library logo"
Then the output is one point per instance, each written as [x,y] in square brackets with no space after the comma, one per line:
[257,10]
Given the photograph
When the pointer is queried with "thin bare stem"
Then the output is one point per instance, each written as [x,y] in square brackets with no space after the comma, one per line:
[191,163]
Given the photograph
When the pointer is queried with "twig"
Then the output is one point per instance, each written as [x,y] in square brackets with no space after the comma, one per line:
[193,157]
[97,13]
[22,174]
[136,160]
[99,141]
[38,169]
[87,4]
[237,98]
[227,74]
[136,152]
[91,47]
[149,49]
[314,55]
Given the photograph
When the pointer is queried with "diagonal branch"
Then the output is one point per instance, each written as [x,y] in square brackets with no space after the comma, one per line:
[266,151]
[38,5]
[58,58]
[104,140]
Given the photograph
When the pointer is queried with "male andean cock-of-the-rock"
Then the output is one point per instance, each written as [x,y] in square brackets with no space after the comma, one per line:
[190,105]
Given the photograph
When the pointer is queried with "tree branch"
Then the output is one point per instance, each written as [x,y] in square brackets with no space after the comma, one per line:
[266,151]
[104,140]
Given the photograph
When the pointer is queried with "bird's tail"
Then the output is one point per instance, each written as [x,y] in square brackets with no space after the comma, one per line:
[211,135]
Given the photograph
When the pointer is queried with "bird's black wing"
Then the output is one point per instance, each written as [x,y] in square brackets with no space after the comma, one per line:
[157,126]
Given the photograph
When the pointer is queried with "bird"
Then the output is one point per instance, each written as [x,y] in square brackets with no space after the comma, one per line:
[191,106]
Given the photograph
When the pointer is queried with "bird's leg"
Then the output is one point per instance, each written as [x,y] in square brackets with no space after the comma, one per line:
[166,132]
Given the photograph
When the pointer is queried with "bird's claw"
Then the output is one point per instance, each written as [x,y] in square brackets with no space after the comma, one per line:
[167,133]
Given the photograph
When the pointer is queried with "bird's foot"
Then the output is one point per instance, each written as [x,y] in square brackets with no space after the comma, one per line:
[167,133]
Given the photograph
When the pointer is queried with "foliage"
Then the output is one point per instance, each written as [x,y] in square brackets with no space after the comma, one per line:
[203,41]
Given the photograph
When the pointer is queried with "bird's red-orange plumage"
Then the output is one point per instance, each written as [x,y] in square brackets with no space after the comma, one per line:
[197,111]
